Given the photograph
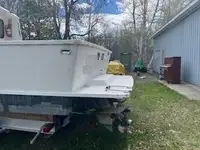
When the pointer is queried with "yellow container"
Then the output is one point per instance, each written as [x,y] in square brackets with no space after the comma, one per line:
[116,68]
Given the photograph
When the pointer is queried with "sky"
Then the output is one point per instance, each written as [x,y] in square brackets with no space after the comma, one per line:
[112,17]
[111,8]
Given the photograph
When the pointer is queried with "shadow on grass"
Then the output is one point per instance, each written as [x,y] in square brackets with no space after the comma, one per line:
[78,139]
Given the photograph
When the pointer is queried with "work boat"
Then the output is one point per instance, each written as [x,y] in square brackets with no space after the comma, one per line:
[43,84]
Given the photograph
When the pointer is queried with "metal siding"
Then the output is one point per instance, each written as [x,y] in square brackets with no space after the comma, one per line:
[183,40]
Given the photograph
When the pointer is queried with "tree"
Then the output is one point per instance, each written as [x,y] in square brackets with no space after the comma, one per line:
[73,16]
[42,19]
[11,5]
[170,8]
[36,22]
[142,15]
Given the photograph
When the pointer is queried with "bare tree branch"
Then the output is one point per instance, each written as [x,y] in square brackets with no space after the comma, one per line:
[155,12]
[74,2]
[87,33]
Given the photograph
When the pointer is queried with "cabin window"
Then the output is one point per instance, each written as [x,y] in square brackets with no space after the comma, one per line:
[1,29]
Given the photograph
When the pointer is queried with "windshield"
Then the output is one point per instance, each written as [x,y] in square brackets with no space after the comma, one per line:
[1,29]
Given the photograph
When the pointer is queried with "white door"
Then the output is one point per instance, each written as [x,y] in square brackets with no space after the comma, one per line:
[158,60]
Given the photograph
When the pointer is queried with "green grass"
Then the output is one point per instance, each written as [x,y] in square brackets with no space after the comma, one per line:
[162,119]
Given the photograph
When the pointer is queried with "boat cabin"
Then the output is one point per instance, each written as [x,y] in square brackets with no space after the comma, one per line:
[9,26]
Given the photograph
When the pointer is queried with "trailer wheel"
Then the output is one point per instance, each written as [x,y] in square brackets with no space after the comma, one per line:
[118,126]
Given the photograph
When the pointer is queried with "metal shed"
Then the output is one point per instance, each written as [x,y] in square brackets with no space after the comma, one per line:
[181,37]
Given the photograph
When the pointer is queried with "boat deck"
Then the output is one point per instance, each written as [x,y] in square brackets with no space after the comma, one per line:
[104,86]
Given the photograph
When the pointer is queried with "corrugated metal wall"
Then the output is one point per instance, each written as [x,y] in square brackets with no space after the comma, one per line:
[182,40]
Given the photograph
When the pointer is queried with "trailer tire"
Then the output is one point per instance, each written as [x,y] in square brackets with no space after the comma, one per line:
[118,126]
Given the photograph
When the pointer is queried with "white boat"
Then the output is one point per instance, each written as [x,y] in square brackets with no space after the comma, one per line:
[43,83]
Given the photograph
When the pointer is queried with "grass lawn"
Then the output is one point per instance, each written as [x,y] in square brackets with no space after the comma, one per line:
[162,119]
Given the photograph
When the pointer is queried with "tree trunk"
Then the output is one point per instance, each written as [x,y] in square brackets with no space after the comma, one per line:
[68,10]
[38,34]
[29,31]
[133,15]
[57,26]
[144,5]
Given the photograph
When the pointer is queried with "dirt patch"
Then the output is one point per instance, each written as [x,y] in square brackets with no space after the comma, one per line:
[144,77]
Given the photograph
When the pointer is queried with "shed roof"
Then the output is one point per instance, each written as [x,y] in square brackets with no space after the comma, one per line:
[188,10]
